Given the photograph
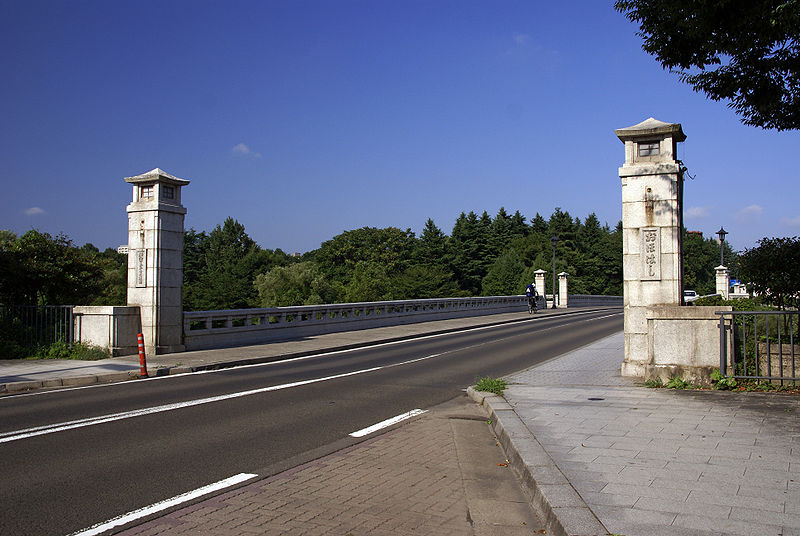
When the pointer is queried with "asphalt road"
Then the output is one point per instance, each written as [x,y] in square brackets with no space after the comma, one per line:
[258,419]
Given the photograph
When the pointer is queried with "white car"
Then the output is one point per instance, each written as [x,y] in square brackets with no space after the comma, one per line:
[689,296]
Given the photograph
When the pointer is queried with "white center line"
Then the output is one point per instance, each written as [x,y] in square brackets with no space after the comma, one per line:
[163,505]
[388,422]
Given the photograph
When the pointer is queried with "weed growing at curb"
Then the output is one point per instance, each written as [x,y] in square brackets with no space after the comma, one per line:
[491,385]
[723,383]
[654,383]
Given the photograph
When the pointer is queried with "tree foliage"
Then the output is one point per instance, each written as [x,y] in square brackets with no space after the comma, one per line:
[746,52]
[38,268]
[226,269]
[772,270]
[296,284]
[700,259]
[220,268]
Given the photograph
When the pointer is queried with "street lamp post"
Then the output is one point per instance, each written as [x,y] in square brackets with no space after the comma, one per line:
[553,240]
[721,233]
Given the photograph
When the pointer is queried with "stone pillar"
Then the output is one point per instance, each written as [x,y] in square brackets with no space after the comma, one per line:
[539,282]
[562,290]
[723,282]
[652,223]
[155,258]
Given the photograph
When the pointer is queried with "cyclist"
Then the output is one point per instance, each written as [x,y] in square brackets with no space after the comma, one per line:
[532,295]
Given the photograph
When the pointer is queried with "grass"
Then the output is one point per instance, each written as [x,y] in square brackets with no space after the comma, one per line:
[79,351]
[491,385]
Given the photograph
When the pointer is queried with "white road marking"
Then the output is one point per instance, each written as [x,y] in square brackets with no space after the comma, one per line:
[7,437]
[388,422]
[163,505]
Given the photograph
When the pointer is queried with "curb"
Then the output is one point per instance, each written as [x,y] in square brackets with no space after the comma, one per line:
[79,381]
[547,489]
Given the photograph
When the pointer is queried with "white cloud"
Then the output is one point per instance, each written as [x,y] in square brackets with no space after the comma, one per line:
[240,149]
[791,222]
[522,39]
[697,213]
[34,211]
[749,212]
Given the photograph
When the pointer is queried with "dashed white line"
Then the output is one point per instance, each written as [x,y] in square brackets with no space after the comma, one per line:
[163,505]
[388,422]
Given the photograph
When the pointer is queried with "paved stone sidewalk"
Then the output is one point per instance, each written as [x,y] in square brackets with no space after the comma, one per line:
[438,474]
[664,462]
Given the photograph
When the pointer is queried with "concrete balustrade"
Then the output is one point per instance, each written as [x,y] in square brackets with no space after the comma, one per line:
[209,329]
[214,329]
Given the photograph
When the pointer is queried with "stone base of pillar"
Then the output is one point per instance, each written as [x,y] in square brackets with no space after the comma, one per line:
[633,369]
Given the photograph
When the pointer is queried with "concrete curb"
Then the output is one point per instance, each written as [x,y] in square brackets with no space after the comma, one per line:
[548,490]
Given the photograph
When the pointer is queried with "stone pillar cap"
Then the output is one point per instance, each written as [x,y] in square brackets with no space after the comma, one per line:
[539,271]
[563,274]
[651,127]
[157,175]
[720,268]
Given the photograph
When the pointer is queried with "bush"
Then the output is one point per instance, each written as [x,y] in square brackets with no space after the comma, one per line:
[739,304]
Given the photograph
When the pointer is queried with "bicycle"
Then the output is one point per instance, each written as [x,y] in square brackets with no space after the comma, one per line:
[531,305]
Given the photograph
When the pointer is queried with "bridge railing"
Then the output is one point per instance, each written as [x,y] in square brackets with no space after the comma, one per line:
[214,329]
[593,300]
[209,329]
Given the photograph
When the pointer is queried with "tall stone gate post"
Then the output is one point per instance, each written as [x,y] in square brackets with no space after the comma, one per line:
[155,258]
[652,223]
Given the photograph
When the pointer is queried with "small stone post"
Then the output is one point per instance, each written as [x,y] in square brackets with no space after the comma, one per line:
[539,282]
[155,258]
[652,223]
[723,282]
[562,290]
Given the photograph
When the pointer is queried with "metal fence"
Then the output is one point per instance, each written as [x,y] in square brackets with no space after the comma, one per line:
[31,326]
[760,345]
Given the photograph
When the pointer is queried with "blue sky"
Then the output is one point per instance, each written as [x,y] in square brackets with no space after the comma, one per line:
[302,119]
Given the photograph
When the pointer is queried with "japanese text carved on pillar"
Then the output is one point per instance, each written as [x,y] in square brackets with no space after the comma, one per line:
[651,254]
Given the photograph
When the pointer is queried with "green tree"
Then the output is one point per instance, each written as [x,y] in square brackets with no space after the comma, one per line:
[39,269]
[470,254]
[114,282]
[746,52]
[232,261]
[194,261]
[518,225]
[296,284]
[369,282]
[772,270]
[432,245]
[425,281]
[504,275]
[390,248]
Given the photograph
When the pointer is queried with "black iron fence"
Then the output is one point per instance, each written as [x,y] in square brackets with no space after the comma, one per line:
[760,345]
[32,326]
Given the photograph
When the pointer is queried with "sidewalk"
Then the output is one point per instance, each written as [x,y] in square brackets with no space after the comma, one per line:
[600,454]
[18,375]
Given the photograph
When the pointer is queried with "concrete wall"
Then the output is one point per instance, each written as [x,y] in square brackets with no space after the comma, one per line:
[682,342]
[111,327]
